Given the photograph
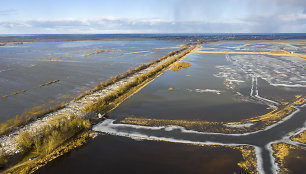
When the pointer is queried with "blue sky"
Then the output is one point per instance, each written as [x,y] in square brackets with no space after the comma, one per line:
[151,16]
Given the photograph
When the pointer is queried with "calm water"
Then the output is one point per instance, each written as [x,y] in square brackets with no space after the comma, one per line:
[186,101]
[22,68]
[111,154]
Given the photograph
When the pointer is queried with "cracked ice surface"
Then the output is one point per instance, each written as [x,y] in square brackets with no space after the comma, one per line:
[278,71]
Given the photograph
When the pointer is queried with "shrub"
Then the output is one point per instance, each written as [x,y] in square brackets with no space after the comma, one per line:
[51,135]
[3,158]
[25,141]
[180,65]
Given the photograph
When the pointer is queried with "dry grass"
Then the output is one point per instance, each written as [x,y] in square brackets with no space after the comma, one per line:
[301,137]
[25,118]
[249,163]
[180,65]
[49,83]
[33,165]
[3,159]
[12,43]
[55,132]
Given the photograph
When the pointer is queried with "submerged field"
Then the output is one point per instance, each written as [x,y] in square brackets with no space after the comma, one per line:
[212,113]
[35,76]
[224,94]
[197,95]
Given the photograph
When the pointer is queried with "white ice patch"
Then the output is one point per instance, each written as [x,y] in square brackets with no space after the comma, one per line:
[267,100]
[242,125]
[234,80]
[291,86]
[205,91]
[278,71]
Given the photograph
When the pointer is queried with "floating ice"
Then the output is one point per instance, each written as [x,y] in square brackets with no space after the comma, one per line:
[242,125]
[205,91]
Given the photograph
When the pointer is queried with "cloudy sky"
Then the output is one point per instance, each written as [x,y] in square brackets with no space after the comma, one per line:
[152,16]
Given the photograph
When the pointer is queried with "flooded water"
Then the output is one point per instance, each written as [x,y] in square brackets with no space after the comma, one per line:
[296,161]
[217,87]
[197,95]
[112,154]
[23,68]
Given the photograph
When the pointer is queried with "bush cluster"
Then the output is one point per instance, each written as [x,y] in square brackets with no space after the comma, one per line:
[54,133]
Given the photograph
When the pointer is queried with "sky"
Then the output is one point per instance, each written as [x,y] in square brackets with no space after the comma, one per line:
[151,16]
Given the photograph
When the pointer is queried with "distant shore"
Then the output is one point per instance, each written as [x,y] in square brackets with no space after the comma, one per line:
[12,43]
[188,37]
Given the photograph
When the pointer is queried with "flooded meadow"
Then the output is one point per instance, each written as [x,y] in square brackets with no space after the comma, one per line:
[28,70]
[221,113]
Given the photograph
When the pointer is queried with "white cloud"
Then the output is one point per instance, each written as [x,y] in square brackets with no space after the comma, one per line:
[277,23]
[257,23]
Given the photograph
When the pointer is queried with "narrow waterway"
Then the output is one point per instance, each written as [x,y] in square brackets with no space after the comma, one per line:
[259,139]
